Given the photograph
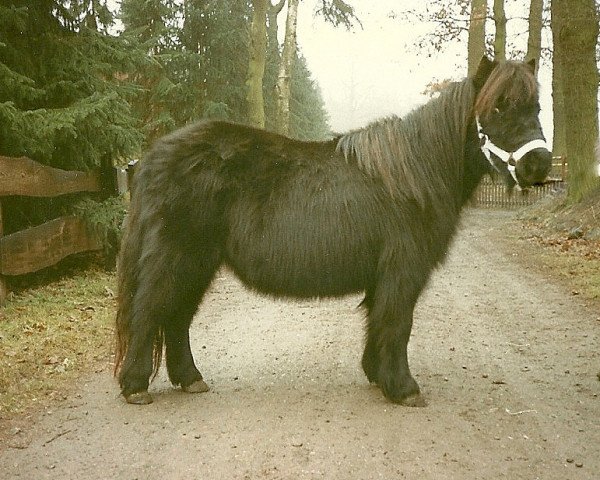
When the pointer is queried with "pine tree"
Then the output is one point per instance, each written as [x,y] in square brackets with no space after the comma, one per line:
[227,55]
[308,118]
[63,98]
[198,54]
[159,104]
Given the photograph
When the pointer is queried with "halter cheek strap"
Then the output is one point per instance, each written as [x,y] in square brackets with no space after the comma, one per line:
[509,158]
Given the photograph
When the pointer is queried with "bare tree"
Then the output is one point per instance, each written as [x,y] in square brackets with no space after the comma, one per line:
[256,65]
[559,147]
[273,28]
[285,69]
[476,43]
[534,40]
[500,37]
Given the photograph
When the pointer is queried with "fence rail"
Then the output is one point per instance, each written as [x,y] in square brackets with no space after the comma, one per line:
[44,245]
[23,176]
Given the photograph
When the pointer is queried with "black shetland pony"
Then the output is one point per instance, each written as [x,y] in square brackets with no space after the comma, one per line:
[373,210]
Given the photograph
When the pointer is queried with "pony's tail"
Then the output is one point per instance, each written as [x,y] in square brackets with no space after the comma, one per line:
[129,255]
[127,284]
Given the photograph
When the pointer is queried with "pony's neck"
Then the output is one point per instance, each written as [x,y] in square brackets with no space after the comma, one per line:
[475,165]
[448,120]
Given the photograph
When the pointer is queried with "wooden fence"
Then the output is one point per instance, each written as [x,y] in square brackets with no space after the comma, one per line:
[492,194]
[44,245]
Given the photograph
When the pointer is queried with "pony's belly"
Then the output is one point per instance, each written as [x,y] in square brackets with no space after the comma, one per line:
[301,264]
[299,282]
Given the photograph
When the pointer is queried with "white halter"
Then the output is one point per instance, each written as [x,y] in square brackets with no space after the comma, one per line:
[509,158]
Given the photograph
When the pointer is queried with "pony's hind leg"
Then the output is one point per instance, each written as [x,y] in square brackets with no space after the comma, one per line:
[169,287]
[144,331]
[193,277]
[180,362]
[134,376]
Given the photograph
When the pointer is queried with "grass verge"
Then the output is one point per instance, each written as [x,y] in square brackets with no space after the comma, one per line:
[52,334]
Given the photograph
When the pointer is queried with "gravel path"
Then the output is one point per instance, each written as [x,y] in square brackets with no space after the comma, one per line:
[506,359]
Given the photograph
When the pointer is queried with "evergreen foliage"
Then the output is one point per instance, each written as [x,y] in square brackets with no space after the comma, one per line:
[308,118]
[60,101]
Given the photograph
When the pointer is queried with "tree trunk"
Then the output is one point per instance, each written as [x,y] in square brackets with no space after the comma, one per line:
[534,41]
[476,43]
[272,28]
[575,34]
[500,37]
[285,69]
[256,65]
[559,148]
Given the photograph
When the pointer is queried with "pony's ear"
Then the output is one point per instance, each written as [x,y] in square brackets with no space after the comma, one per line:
[532,64]
[483,71]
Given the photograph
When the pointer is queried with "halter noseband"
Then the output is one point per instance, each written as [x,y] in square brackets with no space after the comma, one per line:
[509,158]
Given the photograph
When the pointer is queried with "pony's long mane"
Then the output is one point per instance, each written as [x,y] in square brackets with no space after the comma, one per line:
[419,156]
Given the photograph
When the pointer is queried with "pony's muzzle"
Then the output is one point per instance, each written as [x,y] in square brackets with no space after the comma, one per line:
[534,167]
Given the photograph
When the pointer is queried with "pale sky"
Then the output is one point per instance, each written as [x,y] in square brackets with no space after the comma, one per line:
[375,71]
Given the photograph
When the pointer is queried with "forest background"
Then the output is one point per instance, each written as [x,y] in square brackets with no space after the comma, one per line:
[87,83]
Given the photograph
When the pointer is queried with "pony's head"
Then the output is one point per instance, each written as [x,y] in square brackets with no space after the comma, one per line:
[507,118]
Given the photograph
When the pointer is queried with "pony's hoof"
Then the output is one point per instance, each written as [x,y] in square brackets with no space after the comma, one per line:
[139,398]
[199,386]
[416,400]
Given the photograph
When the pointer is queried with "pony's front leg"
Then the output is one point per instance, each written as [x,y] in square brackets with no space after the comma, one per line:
[388,332]
[394,377]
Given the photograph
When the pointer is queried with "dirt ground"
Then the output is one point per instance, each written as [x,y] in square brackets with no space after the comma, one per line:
[506,358]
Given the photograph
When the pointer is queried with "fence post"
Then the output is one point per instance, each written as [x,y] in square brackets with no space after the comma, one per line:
[131,168]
